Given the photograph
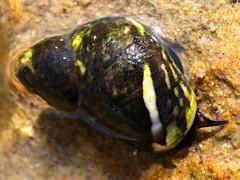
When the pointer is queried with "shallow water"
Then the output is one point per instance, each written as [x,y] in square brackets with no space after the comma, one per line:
[37,143]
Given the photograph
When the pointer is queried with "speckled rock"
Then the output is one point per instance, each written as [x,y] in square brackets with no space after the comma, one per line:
[35,143]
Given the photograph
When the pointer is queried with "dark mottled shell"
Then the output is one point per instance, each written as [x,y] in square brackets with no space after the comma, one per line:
[119,74]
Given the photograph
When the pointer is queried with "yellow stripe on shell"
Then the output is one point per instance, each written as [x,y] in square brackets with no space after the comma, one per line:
[149,97]
[173,72]
[185,89]
[164,54]
[171,65]
[78,38]
[139,27]
[81,66]
[174,134]
[27,56]
[172,139]
[76,42]
[167,80]
[176,92]
[191,110]
[190,95]
[26,60]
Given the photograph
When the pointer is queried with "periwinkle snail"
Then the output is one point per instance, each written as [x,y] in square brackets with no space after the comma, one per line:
[117,75]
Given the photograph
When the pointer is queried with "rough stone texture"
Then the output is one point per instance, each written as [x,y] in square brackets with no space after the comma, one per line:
[35,143]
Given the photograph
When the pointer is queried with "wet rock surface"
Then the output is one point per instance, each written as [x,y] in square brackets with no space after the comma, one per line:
[36,143]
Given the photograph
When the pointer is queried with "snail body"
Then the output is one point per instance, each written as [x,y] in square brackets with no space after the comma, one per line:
[119,75]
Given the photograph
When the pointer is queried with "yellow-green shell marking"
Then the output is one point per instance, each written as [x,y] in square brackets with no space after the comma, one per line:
[25,59]
[121,78]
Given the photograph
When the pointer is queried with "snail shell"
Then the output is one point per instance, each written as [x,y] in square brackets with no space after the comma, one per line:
[119,75]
